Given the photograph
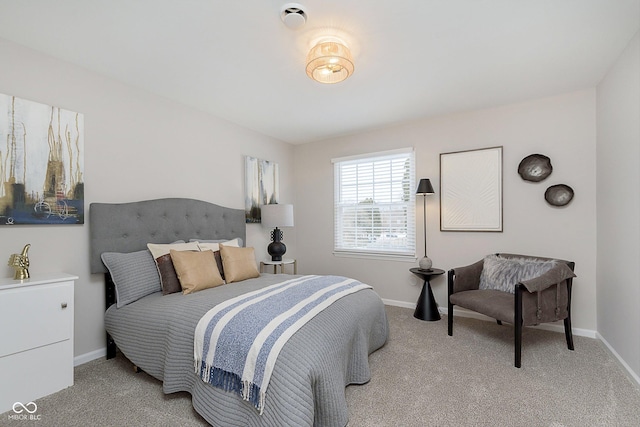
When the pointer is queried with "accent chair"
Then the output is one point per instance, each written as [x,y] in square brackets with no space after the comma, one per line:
[518,289]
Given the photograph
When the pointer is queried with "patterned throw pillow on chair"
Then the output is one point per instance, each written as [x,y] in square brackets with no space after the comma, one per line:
[503,274]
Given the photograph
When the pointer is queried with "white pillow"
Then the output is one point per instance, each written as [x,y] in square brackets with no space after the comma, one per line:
[239,239]
[157,249]
[216,246]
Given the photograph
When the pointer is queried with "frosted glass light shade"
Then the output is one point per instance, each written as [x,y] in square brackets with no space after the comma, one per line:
[329,62]
[276,215]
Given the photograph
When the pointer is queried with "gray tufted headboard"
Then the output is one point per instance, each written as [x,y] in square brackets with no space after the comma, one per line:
[128,227]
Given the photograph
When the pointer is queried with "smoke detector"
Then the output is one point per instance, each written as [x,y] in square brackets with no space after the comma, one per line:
[293,15]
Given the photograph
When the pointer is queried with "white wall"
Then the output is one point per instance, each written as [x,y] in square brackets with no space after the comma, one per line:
[561,127]
[137,146]
[618,207]
[141,146]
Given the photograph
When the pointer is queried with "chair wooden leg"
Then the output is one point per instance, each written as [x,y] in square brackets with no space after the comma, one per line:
[567,333]
[449,305]
[567,322]
[518,344]
[517,326]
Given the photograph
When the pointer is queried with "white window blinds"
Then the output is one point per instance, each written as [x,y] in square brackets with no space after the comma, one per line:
[374,202]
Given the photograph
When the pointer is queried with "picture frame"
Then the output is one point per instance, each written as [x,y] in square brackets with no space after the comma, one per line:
[262,187]
[41,164]
[471,190]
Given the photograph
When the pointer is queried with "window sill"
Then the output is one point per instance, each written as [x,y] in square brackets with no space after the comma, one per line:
[384,257]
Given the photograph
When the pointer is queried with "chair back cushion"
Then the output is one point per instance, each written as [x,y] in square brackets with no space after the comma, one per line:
[503,274]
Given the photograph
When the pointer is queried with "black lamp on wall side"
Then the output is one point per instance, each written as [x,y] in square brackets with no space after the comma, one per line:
[425,188]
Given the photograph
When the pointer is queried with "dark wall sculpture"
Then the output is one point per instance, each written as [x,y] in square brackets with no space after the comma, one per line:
[558,195]
[535,168]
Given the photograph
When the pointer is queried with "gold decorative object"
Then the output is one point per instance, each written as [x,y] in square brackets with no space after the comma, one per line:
[21,263]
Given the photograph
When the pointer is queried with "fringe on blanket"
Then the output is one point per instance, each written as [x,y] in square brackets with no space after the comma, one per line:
[229,381]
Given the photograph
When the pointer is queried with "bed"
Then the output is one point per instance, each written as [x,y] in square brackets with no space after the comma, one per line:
[156,331]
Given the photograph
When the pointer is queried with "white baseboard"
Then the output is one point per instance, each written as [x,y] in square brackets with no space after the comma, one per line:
[555,327]
[402,304]
[88,357]
[630,371]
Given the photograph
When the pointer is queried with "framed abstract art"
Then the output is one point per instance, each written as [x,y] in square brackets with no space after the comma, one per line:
[261,187]
[41,163]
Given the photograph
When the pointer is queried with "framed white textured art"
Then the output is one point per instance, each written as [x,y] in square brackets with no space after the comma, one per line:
[471,190]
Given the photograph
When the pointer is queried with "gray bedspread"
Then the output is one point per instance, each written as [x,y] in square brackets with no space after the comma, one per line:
[308,383]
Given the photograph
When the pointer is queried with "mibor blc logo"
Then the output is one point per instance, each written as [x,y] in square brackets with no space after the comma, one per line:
[22,411]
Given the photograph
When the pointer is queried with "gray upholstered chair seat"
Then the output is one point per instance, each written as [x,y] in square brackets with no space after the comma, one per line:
[495,304]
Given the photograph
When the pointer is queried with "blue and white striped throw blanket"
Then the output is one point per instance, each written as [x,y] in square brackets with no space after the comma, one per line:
[237,342]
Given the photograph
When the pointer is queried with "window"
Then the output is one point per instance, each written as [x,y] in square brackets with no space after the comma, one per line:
[374,204]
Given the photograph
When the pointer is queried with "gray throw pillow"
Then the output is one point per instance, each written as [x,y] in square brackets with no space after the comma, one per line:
[503,274]
[134,274]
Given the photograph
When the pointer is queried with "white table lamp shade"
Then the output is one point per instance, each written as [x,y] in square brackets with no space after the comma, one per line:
[276,215]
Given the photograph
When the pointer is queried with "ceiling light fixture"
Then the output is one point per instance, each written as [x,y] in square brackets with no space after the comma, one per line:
[329,61]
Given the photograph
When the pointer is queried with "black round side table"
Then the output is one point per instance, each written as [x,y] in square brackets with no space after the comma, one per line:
[426,309]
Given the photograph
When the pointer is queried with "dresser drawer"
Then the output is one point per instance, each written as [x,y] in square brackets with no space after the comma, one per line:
[32,374]
[35,316]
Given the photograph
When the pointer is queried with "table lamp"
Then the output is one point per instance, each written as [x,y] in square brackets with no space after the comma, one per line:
[276,215]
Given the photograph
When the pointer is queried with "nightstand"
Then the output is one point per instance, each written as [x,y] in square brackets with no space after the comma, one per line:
[36,339]
[282,263]
[426,308]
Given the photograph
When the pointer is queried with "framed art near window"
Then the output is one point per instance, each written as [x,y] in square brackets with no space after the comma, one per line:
[471,190]
[262,185]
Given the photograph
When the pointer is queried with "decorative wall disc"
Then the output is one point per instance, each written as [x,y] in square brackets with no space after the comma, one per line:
[535,168]
[558,195]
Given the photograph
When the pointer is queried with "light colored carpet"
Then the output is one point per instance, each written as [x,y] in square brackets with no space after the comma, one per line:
[422,377]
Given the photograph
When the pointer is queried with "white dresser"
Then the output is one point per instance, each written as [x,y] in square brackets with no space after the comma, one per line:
[36,337]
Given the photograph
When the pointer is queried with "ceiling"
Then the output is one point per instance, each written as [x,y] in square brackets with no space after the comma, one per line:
[413,58]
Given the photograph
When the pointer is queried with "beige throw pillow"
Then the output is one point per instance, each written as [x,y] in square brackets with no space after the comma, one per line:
[215,247]
[238,263]
[196,270]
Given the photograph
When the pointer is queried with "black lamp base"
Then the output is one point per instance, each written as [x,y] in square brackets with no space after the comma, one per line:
[276,248]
